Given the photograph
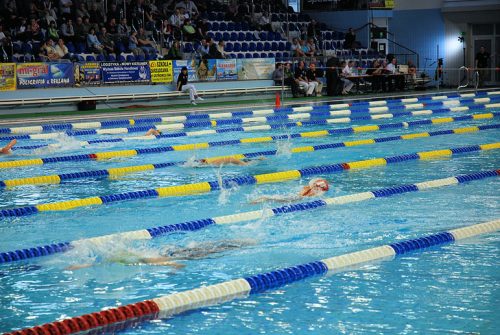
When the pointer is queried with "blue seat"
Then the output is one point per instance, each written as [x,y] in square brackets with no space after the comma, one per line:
[80,47]
[248,55]
[237,47]
[228,47]
[218,36]
[210,34]
[26,48]
[249,37]
[212,16]
[241,36]
[252,46]
[241,55]
[244,26]
[140,58]
[215,26]
[281,46]
[267,46]
[209,26]
[90,58]
[255,55]
[237,26]
[263,55]
[231,55]
[234,36]
[220,16]
[226,36]
[151,57]
[80,58]
[328,35]
[274,46]
[223,26]
[111,58]
[71,47]
[260,46]
[286,55]
[244,47]
[121,58]
[263,36]
[327,45]
[188,47]
[230,26]
[130,58]
[100,58]
[278,55]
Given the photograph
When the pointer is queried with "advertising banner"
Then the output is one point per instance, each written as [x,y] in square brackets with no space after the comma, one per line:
[161,71]
[87,74]
[226,69]
[37,75]
[125,73]
[202,70]
[319,4]
[7,76]
[255,68]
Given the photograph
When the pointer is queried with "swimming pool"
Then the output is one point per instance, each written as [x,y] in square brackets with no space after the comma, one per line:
[450,288]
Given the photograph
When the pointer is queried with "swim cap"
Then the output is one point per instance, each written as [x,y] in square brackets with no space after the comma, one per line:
[319,183]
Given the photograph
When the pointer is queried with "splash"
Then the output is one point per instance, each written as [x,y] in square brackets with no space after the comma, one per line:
[284,147]
[63,143]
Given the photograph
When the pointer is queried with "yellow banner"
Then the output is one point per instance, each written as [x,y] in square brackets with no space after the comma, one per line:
[161,71]
[389,4]
[7,76]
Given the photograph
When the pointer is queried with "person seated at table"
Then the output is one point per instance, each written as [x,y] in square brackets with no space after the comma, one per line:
[396,80]
[346,72]
[377,77]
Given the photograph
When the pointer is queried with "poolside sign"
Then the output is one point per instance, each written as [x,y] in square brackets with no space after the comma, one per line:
[161,71]
[125,73]
[7,76]
[226,69]
[38,75]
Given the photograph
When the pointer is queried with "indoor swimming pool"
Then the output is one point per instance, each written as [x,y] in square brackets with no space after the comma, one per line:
[83,204]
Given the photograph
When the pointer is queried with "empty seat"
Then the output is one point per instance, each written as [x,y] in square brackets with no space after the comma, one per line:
[121,58]
[188,47]
[100,58]
[218,36]
[226,36]
[263,55]
[241,55]
[234,36]
[237,47]
[260,46]
[248,55]
[111,58]
[230,26]
[241,36]
[249,36]
[223,26]
[228,47]
[130,58]
[90,58]
[255,55]
[252,46]
[281,46]
[274,46]
[215,26]
[267,46]
[244,47]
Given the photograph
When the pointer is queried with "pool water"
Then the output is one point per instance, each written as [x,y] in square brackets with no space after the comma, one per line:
[445,290]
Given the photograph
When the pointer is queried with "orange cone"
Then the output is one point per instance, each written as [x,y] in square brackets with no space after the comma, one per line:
[278,101]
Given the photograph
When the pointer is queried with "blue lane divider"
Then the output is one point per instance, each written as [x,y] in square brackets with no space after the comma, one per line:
[194,225]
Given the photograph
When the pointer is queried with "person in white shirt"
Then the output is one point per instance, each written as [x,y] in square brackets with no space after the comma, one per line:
[65,7]
[189,6]
[220,48]
[391,67]
[396,80]
[346,72]
[62,49]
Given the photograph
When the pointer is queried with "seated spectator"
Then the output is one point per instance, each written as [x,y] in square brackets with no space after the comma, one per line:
[350,39]
[87,25]
[65,7]
[52,31]
[203,49]
[62,50]
[175,51]
[220,49]
[232,11]
[145,43]
[49,16]
[213,51]
[35,31]
[113,13]
[264,22]
[378,79]
[312,47]
[296,48]
[106,41]
[302,81]
[188,30]
[68,31]
[305,49]
[123,30]
[412,69]
[93,42]
[312,76]
[313,30]
[95,13]
[80,30]
[82,10]
[133,44]
[346,72]
[189,8]
[21,30]
[48,51]
[112,27]
[201,28]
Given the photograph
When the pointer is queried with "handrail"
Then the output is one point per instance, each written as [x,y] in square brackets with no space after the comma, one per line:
[476,80]
[466,69]
[132,96]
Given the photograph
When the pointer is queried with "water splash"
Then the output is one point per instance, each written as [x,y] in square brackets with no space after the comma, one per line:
[284,147]
[63,143]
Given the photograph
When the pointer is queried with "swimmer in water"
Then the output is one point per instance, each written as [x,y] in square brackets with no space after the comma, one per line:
[154,132]
[169,255]
[316,187]
[219,161]
[7,149]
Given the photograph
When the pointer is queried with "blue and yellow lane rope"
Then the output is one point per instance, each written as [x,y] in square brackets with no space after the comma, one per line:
[275,177]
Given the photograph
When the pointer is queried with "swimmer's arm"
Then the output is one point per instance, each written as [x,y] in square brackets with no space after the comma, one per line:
[276,199]
[78,267]
[163,261]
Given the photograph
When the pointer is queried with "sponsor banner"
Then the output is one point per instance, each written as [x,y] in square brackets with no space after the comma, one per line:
[255,68]
[319,4]
[125,73]
[202,70]
[87,74]
[226,69]
[161,71]
[384,4]
[7,76]
[36,75]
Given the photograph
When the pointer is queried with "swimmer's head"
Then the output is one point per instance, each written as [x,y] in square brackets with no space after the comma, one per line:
[203,161]
[319,184]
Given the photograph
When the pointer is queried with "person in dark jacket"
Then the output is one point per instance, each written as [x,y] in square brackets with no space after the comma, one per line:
[183,86]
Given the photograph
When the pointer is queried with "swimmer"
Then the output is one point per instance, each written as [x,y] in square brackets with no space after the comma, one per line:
[154,132]
[219,161]
[169,255]
[7,149]
[316,187]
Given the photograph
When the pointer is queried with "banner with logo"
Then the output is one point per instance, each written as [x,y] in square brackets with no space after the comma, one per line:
[125,73]
[37,75]
[198,70]
[7,76]
[226,69]
[161,71]
[87,74]
[255,68]
[319,4]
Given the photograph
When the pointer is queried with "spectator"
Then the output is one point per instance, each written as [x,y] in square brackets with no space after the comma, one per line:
[82,10]
[203,49]
[183,86]
[334,85]
[312,47]
[81,30]
[213,52]
[189,7]
[49,51]
[312,76]
[87,25]
[302,81]
[113,13]
[106,41]
[296,48]
[264,22]
[68,31]
[346,72]
[52,31]
[175,51]
[350,39]
[62,50]
[133,44]
[176,21]
[65,7]
[313,30]
[188,30]
[377,78]
[96,14]
[21,30]
[201,28]
[232,11]
[145,43]
[220,49]
[279,74]
[36,34]
[305,49]
[123,30]
[49,16]
[93,42]
[112,27]
[395,80]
